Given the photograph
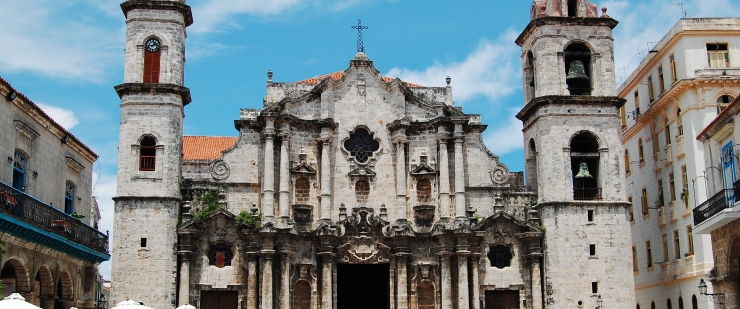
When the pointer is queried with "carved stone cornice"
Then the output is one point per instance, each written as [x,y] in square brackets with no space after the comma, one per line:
[181,7]
[25,130]
[71,162]
[133,88]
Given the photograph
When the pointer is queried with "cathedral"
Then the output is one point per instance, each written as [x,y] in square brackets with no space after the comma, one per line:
[357,190]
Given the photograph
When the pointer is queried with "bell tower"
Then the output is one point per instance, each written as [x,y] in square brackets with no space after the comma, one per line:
[572,141]
[148,196]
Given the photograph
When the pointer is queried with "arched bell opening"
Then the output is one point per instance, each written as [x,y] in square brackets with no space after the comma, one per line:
[584,165]
[529,78]
[531,164]
[578,69]
[572,8]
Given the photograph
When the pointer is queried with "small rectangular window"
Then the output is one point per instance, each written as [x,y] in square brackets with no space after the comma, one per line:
[592,249]
[590,216]
[634,259]
[637,104]
[644,201]
[632,209]
[665,248]
[718,55]
[674,72]
[672,186]
[623,116]
[676,246]
[649,253]
[690,239]
[143,242]
[651,90]
[661,201]
[667,133]
[594,287]
[661,80]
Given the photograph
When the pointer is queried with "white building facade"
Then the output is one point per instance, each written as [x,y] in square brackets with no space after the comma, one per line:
[679,88]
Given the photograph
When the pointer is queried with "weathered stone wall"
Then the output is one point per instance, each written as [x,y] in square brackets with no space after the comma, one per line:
[726,249]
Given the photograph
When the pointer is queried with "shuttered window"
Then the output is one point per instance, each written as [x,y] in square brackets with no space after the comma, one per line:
[151,66]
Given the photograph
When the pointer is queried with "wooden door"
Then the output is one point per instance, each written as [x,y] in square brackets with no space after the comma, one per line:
[219,300]
[505,299]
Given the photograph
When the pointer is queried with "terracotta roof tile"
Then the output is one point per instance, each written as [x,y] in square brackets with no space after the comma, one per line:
[205,147]
[339,75]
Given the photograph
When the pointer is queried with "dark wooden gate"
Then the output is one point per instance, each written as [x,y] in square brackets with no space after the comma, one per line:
[219,300]
[506,299]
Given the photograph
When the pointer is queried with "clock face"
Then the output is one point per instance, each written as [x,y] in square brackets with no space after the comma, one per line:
[152,45]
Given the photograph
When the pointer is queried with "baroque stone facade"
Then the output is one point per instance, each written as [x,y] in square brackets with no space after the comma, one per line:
[357,190]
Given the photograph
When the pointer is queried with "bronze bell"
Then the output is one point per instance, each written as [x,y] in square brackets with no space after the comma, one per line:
[576,71]
[583,171]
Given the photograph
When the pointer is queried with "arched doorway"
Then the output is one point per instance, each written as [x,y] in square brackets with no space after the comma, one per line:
[64,292]
[15,277]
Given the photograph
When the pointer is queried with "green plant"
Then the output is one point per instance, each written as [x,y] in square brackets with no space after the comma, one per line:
[339,227]
[209,200]
[77,216]
[543,228]
[685,197]
[249,219]
[476,216]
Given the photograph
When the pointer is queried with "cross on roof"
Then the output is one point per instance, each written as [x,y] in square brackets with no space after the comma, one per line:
[360,27]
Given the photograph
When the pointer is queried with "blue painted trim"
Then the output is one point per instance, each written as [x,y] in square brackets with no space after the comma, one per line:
[30,232]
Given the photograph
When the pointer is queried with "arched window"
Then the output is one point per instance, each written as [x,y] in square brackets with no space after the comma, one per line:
[578,68]
[638,306]
[69,198]
[679,123]
[147,154]
[152,57]
[668,304]
[652,305]
[723,101]
[584,156]
[640,150]
[694,303]
[680,302]
[19,170]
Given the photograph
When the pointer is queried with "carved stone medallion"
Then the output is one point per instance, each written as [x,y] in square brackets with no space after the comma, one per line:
[219,170]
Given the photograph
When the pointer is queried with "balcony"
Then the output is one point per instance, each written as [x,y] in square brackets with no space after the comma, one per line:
[586,194]
[719,73]
[668,154]
[716,211]
[31,218]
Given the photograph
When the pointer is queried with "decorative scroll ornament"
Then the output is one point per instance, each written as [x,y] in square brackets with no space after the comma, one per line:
[500,174]
[219,170]
[363,250]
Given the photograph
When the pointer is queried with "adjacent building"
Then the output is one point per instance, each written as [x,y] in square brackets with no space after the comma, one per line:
[356,190]
[688,78]
[47,213]
[718,215]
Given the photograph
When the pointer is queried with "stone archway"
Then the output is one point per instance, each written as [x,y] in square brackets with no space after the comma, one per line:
[44,276]
[64,291]
[16,273]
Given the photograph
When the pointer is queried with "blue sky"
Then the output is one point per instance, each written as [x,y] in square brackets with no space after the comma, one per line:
[68,55]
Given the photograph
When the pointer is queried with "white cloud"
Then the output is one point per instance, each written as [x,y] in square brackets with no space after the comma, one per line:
[66,118]
[216,15]
[57,39]
[506,138]
[489,71]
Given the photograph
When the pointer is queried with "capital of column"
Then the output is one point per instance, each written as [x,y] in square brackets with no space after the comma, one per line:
[325,140]
[267,254]
[445,255]
[284,135]
[442,139]
[268,133]
[184,254]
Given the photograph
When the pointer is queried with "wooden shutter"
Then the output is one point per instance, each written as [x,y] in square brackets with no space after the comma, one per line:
[152,66]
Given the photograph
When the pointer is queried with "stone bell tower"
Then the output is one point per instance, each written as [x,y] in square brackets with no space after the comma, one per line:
[572,145]
[149,152]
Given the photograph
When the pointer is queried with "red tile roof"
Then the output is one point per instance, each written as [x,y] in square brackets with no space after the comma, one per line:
[339,75]
[205,147]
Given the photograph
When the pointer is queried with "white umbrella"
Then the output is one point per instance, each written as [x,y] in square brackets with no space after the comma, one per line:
[186,306]
[128,304]
[16,301]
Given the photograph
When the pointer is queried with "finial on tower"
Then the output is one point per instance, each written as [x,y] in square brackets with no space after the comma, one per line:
[603,12]
[448,80]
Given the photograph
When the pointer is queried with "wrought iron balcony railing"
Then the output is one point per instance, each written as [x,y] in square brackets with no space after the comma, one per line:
[586,194]
[722,200]
[23,206]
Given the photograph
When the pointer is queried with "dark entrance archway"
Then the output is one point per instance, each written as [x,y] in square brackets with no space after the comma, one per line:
[219,300]
[363,286]
[502,299]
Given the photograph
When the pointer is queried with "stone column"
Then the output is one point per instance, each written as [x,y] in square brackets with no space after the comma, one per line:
[536,282]
[326,142]
[444,178]
[403,284]
[327,294]
[459,173]
[252,259]
[446,279]
[268,182]
[284,201]
[285,279]
[463,291]
[475,297]
[401,178]
[266,286]
[184,293]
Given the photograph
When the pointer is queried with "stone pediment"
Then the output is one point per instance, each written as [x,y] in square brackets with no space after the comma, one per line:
[362,171]
[497,222]
[220,217]
[303,168]
[424,170]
